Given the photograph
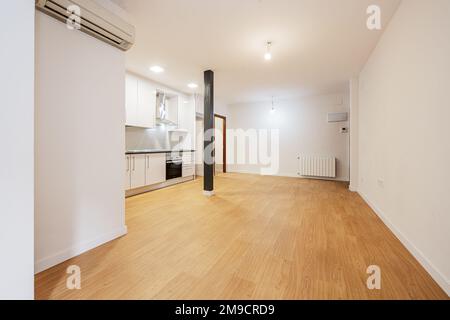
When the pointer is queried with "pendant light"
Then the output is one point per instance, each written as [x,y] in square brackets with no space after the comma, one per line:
[268,54]
[273,106]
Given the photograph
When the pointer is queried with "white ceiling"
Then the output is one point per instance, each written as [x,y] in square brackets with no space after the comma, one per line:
[317,44]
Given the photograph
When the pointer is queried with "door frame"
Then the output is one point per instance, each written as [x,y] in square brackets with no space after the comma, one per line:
[224,135]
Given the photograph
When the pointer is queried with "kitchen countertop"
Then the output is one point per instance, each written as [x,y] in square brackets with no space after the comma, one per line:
[154,151]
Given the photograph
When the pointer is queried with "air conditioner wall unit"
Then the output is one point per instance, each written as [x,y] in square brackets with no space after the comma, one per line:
[95,20]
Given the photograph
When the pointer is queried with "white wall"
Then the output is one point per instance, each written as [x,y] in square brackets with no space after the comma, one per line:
[404,148]
[354,133]
[80,142]
[220,108]
[303,129]
[17,150]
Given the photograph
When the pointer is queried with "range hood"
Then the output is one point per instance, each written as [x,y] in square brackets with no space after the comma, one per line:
[162,109]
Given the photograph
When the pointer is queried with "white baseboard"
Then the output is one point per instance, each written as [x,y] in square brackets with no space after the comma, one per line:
[165,184]
[77,249]
[244,172]
[423,260]
[288,175]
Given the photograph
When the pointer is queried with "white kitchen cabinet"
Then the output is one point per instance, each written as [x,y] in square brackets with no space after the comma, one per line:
[140,102]
[188,114]
[146,110]
[188,164]
[138,166]
[144,170]
[186,122]
[131,100]
[155,171]
[127,172]
[199,104]
[188,170]
[172,110]
[182,106]
[188,158]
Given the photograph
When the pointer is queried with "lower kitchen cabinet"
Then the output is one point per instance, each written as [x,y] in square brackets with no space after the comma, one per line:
[144,170]
[188,164]
[155,171]
[188,170]
[138,164]
[127,172]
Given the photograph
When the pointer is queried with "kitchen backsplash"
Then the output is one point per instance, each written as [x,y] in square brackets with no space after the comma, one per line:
[157,138]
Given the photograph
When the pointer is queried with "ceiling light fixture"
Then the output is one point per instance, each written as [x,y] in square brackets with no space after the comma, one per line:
[192,85]
[157,69]
[268,54]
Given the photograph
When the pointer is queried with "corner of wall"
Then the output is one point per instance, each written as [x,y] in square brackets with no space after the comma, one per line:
[78,249]
[423,260]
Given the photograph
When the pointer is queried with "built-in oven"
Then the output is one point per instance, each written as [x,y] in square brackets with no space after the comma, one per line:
[174,165]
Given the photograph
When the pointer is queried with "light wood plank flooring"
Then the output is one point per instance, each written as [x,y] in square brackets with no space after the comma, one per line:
[258,238]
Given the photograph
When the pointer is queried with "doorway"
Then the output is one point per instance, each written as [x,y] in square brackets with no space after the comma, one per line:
[220,126]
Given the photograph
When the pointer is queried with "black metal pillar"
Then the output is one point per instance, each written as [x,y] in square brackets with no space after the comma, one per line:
[208,142]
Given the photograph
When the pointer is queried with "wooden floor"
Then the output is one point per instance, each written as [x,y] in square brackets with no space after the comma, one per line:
[258,238]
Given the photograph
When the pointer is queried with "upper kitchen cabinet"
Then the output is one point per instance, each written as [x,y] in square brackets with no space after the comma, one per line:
[172,109]
[186,123]
[131,100]
[186,113]
[198,101]
[146,104]
[140,103]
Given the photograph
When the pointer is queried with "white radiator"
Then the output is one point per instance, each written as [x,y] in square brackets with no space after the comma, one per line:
[311,166]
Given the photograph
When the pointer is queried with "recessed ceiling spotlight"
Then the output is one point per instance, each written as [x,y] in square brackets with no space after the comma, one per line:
[268,54]
[193,85]
[157,69]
